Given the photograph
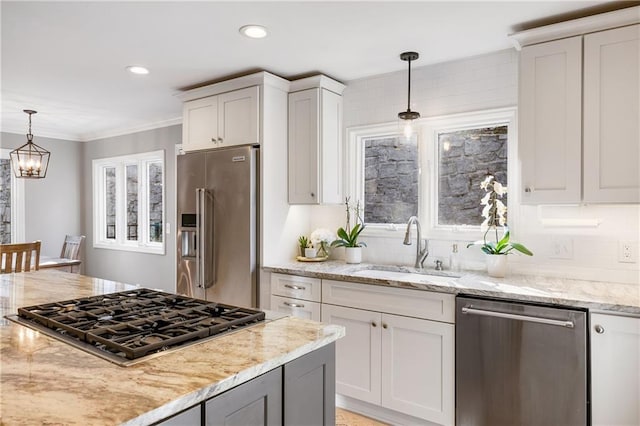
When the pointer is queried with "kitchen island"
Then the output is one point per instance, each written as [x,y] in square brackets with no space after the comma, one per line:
[46,381]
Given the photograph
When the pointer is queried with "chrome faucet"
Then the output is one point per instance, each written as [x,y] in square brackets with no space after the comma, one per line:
[421,254]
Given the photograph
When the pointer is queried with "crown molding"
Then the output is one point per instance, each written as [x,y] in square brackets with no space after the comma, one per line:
[575,27]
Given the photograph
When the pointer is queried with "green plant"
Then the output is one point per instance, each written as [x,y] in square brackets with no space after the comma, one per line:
[303,242]
[494,212]
[347,236]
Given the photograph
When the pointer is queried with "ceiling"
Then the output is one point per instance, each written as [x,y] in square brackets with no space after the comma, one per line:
[67,59]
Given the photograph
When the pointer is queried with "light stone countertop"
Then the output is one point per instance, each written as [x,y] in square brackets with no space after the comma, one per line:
[594,295]
[45,381]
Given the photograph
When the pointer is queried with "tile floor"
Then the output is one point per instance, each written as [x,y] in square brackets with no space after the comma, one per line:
[348,418]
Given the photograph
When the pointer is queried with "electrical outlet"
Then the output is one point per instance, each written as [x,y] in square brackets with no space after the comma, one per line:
[627,252]
[561,248]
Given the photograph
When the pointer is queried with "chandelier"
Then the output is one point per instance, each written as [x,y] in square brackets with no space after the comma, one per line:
[30,161]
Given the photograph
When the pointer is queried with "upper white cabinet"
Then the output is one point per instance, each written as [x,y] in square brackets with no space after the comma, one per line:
[615,370]
[550,121]
[579,137]
[315,135]
[612,115]
[217,121]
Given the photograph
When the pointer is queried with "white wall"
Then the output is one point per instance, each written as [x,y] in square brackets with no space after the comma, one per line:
[150,270]
[52,204]
[471,84]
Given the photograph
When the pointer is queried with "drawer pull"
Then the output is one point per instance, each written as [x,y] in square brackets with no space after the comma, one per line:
[599,329]
[384,325]
[293,305]
[373,324]
[294,287]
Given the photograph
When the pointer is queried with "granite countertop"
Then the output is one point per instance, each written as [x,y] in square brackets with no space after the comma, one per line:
[45,381]
[622,298]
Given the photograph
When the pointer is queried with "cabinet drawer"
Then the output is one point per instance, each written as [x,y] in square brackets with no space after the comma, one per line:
[412,303]
[296,287]
[296,307]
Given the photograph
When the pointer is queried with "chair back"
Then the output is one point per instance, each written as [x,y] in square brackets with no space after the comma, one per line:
[71,247]
[21,257]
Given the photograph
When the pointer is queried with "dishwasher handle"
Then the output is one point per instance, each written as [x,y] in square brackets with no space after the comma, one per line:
[474,311]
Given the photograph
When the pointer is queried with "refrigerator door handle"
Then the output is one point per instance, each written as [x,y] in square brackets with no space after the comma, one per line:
[199,260]
[207,241]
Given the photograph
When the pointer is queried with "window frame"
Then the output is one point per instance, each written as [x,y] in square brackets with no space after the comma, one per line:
[427,130]
[17,202]
[143,244]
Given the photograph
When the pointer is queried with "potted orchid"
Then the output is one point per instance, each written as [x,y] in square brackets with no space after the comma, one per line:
[348,236]
[495,214]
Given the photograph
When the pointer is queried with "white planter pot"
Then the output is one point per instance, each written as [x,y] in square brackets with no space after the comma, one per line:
[310,253]
[353,254]
[497,265]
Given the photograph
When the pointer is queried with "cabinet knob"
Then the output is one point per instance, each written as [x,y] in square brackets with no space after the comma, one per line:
[527,189]
[213,140]
[313,194]
[220,140]
[384,325]
[373,324]
[599,329]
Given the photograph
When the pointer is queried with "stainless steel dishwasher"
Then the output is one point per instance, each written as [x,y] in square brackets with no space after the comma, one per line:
[520,364]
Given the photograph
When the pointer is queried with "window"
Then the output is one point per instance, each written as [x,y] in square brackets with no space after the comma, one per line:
[11,202]
[128,201]
[454,152]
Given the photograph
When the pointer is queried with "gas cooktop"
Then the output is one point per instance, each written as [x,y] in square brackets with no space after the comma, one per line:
[129,326]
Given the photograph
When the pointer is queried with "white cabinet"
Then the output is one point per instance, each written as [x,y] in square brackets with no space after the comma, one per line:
[398,362]
[615,370]
[612,115]
[550,121]
[579,137]
[315,147]
[226,119]
[296,296]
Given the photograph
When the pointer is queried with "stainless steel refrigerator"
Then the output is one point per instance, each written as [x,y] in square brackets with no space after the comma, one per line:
[217,225]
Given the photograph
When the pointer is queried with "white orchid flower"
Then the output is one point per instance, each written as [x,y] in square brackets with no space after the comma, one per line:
[499,188]
[486,210]
[486,181]
[485,199]
[322,235]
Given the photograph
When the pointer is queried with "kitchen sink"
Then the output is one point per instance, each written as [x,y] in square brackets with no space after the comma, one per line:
[401,273]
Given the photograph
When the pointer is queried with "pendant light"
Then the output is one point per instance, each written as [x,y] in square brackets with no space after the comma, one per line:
[30,161]
[408,116]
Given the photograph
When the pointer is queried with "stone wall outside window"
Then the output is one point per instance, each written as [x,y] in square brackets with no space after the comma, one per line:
[5,201]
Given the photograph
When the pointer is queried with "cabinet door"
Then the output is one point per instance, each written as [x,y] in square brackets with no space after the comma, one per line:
[615,370]
[418,368]
[190,417]
[238,117]
[550,121]
[611,116]
[304,134]
[296,307]
[331,148]
[200,124]
[358,353]
[309,389]
[255,403]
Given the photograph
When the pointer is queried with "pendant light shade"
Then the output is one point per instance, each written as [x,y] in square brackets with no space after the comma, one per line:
[408,116]
[30,161]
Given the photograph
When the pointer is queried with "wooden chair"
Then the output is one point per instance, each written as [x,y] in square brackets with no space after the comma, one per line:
[71,247]
[19,257]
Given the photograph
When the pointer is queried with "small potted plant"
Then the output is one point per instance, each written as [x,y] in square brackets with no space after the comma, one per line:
[495,212]
[348,236]
[305,245]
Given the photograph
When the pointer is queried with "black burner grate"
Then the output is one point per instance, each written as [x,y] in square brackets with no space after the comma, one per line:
[135,323]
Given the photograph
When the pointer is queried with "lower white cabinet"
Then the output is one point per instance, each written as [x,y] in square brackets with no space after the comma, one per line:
[402,363]
[615,370]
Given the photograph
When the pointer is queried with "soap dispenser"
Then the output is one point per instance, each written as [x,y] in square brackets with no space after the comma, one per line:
[454,260]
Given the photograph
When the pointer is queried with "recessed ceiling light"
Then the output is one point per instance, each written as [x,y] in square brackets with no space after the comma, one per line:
[253,31]
[135,69]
